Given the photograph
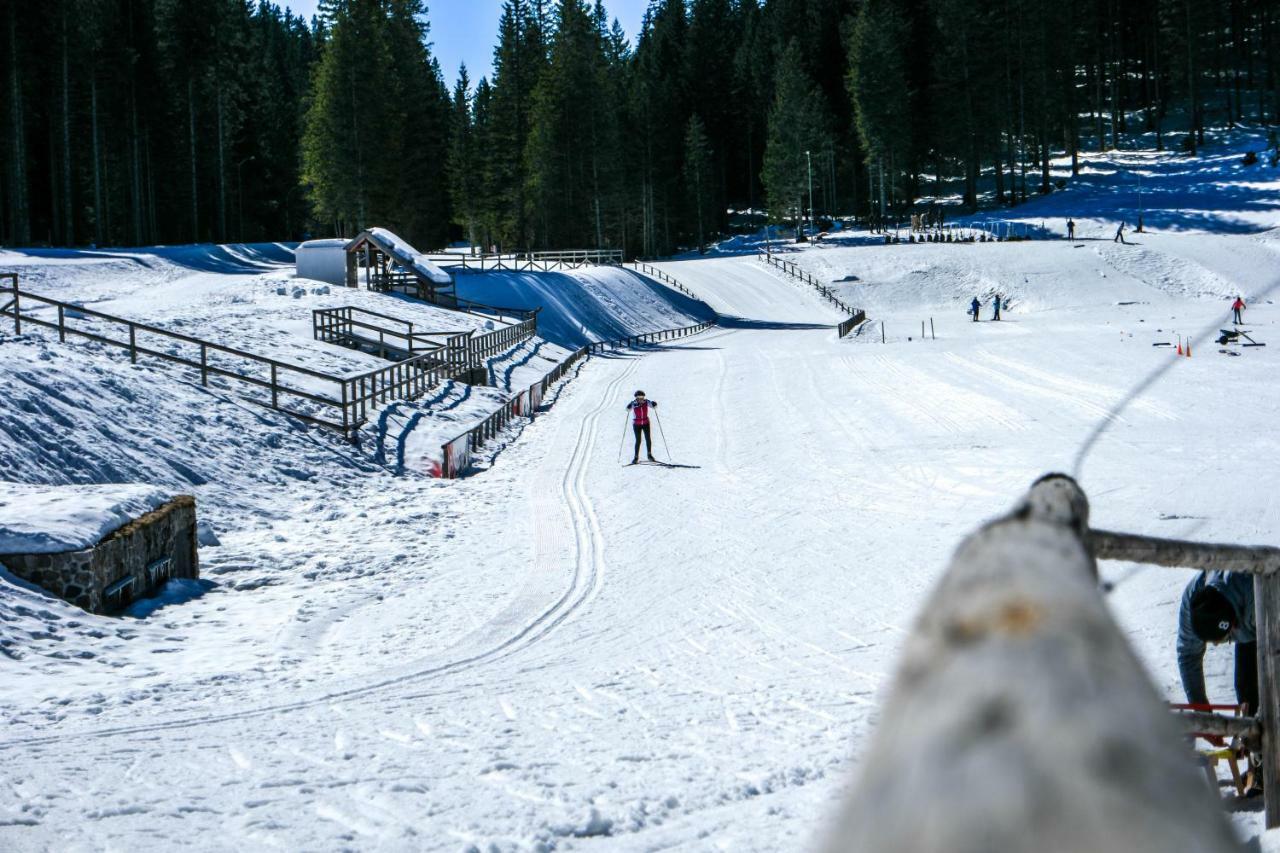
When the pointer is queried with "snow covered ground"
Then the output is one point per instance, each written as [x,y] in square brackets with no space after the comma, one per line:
[566,653]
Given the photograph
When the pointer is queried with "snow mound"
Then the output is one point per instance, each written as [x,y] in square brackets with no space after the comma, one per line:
[581,306]
[56,519]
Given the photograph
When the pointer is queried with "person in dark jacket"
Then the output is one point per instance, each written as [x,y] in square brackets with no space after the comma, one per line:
[1071,229]
[974,307]
[639,408]
[1217,607]
[1120,235]
[995,305]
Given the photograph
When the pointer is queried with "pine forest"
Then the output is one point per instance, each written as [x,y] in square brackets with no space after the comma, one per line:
[137,122]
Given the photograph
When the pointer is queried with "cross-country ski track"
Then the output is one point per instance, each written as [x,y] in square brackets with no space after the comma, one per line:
[646,657]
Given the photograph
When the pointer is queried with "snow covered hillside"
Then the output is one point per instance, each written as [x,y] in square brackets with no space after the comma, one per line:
[567,653]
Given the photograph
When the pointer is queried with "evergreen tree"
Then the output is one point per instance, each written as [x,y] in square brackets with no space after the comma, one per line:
[797,128]
[877,82]
[462,165]
[697,175]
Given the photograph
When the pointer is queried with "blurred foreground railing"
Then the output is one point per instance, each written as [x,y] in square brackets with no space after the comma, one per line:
[1020,719]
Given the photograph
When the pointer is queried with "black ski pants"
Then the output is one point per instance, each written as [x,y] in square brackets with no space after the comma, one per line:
[642,429]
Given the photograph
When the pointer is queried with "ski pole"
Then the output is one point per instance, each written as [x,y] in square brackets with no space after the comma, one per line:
[661,433]
[623,442]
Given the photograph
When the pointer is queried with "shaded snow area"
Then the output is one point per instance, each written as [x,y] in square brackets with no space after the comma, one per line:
[586,305]
[56,519]
[565,653]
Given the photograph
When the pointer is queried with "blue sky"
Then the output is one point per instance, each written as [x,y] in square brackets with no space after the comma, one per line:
[465,30]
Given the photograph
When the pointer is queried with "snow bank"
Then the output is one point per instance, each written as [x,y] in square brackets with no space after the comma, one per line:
[54,519]
[581,306]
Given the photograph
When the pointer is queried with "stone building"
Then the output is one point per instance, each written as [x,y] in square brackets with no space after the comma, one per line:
[98,547]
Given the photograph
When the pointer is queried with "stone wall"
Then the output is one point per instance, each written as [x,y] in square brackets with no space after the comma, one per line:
[133,561]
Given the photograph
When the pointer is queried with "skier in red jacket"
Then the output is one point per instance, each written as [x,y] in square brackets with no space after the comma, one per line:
[640,424]
[1236,308]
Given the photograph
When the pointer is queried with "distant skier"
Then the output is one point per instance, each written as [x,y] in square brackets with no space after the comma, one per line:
[640,424]
[995,304]
[1071,229]
[1120,235]
[1236,308]
[974,307]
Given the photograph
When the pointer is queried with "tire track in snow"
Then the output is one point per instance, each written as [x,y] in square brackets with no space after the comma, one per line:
[585,583]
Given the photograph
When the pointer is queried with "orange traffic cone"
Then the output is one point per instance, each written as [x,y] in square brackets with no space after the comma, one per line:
[1188,347]
[1179,344]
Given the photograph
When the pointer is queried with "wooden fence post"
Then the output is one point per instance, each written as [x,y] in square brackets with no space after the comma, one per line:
[275,394]
[1020,718]
[62,325]
[1266,603]
[133,344]
[204,365]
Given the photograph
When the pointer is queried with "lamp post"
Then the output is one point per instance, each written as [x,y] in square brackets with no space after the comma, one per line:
[240,196]
[809,160]
[1139,202]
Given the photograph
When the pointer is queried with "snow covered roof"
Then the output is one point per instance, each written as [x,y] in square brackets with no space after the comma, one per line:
[405,255]
[328,243]
[56,519]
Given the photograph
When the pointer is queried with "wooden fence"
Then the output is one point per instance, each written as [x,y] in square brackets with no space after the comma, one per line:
[340,403]
[499,340]
[1020,718]
[847,326]
[654,272]
[523,261]
[458,352]
[796,271]
[651,337]
[360,329]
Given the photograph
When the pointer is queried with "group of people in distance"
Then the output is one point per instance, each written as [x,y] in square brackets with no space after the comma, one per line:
[1119,238]
[997,302]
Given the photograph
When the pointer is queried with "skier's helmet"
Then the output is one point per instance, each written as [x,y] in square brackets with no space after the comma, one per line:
[639,393]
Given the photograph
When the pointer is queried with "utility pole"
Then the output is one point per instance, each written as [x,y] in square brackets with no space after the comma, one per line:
[1139,202]
[809,160]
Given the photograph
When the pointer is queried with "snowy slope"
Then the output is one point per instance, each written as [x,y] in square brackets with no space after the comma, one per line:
[585,305]
[566,653]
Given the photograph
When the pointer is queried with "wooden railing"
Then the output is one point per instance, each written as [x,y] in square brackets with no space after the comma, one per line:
[359,328]
[654,272]
[521,261]
[339,403]
[491,426]
[1021,718]
[651,337]
[796,271]
[847,326]
[499,340]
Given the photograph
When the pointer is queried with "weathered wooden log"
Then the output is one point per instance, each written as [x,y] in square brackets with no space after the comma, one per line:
[1255,559]
[1219,724]
[1266,605]
[1021,720]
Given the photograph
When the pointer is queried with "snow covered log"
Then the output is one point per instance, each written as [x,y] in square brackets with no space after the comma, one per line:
[1020,718]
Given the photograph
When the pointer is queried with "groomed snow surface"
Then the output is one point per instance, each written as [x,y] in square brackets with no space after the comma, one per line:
[563,653]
